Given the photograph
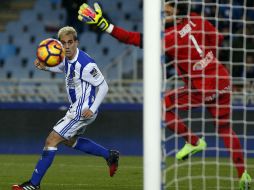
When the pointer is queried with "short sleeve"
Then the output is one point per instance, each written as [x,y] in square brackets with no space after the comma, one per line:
[92,74]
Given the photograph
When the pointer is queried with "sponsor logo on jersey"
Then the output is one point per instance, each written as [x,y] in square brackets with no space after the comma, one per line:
[214,96]
[94,73]
[200,65]
[70,82]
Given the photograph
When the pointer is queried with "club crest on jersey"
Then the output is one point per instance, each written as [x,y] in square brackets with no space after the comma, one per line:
[94,73]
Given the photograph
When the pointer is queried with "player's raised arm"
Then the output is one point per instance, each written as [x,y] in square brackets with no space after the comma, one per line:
[42,66]
[95,17]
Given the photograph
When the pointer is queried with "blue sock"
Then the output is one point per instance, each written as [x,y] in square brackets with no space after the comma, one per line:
[43,164]
[90,147]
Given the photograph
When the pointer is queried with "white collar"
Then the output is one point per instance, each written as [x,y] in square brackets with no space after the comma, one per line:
[75,57]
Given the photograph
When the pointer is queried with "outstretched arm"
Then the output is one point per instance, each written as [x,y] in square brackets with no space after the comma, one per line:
[124,36]
[41,66]
[95,17]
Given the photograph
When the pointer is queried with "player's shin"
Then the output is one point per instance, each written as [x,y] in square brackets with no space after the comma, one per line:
[231,141]
[43,164]
[90,147]
[175,124]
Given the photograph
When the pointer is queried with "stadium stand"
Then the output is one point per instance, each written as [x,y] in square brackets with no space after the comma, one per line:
[31,24]
[25,24]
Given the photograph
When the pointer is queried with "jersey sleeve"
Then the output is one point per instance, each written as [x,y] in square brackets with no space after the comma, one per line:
[56,69]
[128,37]
[92,74]
[102,91]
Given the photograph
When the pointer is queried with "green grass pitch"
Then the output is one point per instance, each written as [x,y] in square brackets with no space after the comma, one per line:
[205,174]
[73,173]
[87,172]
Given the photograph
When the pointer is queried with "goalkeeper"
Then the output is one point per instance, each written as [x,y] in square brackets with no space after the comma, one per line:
[206,80]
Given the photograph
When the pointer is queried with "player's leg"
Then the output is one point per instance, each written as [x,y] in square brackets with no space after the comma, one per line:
[178,98]
[221,114]
[43,164]
[181,99]
[89,146]
[47,157]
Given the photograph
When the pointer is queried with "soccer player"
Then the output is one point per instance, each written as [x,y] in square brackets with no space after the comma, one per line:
[82,77]
[191,41]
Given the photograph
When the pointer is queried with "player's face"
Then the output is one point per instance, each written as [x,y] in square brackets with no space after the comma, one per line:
[169,12]
[70,45]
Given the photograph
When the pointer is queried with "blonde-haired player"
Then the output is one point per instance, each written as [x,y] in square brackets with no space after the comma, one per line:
[82,78]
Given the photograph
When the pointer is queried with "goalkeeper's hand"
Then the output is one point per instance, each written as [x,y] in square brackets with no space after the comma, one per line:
[93,16]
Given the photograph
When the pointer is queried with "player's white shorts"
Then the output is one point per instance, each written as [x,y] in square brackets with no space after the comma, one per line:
[67,127]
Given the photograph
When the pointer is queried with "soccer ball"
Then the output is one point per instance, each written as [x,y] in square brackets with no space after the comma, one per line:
[50,52]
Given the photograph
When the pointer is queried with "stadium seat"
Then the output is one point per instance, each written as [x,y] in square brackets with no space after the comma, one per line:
[14,27]
[87,39]
[19,74]
[26,18]
[43,4]
[110,43]
[55,17]
[7,50]
[130,6]
[24,41]
[4,38]
[18,52]
[41,74]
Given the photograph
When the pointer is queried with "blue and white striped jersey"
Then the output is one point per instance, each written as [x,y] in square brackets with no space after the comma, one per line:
[82,76]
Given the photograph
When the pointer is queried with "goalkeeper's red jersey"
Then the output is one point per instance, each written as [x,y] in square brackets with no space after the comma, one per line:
[192,44]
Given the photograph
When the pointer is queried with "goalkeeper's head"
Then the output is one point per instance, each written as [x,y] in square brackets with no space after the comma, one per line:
[176,8]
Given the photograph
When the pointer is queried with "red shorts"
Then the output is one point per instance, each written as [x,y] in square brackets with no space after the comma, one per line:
[212,92]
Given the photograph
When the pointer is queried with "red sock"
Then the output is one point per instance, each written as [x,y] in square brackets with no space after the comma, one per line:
[175,124]
[231,141]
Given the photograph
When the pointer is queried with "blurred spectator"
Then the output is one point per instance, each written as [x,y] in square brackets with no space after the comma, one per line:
[72,7]
[249,66]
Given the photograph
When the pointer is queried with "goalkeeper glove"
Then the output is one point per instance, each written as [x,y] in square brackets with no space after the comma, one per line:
[93,17]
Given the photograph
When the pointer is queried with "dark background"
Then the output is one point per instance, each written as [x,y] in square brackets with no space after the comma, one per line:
[24,131]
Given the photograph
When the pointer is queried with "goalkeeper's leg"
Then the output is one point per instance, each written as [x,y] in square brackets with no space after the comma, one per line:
[181,98]
[221,114]
[175,124]
[232,142]
[178,98]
